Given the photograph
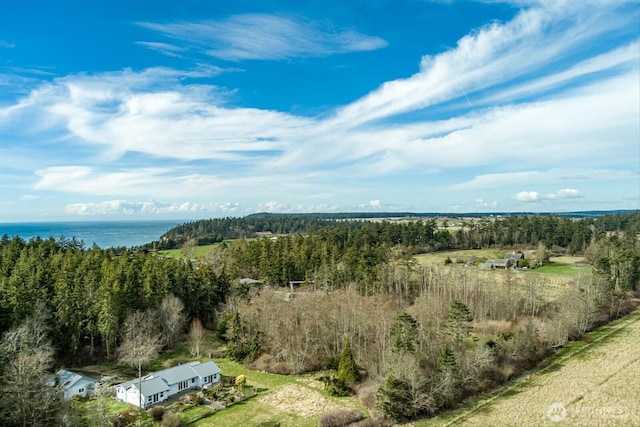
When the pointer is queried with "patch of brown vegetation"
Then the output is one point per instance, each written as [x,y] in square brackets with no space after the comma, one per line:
[299,400]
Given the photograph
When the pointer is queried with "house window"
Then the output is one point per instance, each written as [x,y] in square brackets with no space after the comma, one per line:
[162,394]
[149,398]
[193,380]
[183,384]
[81,390]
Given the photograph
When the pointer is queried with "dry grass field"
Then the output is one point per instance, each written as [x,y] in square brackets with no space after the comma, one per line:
[595,382]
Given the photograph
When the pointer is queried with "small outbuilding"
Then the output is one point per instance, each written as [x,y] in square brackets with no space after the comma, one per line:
[72,383]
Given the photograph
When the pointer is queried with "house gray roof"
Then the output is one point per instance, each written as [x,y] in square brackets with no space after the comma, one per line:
[161,380]
[68,379]
[515,256]
[205,369]
[153,386]
[176,374]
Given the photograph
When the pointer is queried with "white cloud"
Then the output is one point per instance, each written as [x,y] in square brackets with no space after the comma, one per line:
[164,48]
[263,36]
[568,193]
[128,207]
[375,203]
[497,180]
[489,58]
[6,44]
[534,196]
[483,204]
[527,196]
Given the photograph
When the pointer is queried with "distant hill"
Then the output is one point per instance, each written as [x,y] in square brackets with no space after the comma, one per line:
[208,231]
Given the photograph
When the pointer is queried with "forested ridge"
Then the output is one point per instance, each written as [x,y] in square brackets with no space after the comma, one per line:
[483,231]
[422,337]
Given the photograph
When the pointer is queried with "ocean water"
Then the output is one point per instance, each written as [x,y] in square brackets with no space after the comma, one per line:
[105,234]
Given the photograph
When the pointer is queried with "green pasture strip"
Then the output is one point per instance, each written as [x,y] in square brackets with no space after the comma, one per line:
[562,269]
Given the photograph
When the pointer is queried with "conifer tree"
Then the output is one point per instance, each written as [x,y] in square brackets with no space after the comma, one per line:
[347,368]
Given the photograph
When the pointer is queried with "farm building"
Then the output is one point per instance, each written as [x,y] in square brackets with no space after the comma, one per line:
[159,386]
[504,264]
[72,383]
[499,264]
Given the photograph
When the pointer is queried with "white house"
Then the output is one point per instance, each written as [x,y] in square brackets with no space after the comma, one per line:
[159,386]
[72,383]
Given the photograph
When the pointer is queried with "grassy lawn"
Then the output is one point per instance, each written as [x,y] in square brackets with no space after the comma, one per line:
[197,251]
[563,269]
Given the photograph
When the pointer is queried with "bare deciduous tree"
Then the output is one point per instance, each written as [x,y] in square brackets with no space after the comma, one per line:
[24,398]
[171,318]
[139,345]
[196,336]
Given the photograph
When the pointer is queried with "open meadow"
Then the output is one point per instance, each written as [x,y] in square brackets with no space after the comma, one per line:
[593,382]
[195,252]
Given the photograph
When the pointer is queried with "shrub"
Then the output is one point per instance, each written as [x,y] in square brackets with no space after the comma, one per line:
[339,418]
[367,394]
[335,386]
[332,362]
[125,418]
[367,422]
[171,419]
[448,261]
[157,412]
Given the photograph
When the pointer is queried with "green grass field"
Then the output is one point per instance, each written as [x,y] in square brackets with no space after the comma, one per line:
[197,251]
[563,269]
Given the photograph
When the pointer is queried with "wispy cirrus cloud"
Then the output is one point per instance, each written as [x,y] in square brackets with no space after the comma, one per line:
[164,48]
[495,180]
[265,37]
[6,44]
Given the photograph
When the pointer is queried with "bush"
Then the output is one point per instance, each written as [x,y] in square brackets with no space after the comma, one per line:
[340,417]
[367,394]
[448,261]
[125,418]
[332,362]
[367,422]
[335,386]
[171,419]
[157,412]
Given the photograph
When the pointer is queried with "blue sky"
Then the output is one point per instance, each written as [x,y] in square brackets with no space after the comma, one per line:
[193,109]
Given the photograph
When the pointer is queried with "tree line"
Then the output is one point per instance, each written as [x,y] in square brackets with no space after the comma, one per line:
[90,292]
[417,232]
